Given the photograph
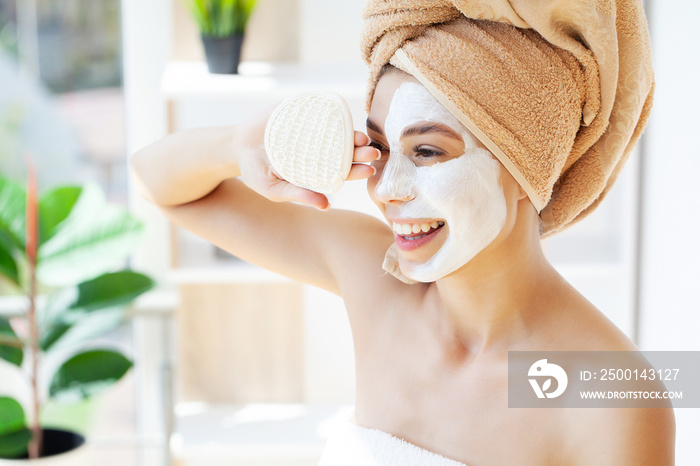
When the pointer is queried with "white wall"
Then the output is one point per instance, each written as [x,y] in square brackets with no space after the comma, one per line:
[146,49]
[670,309]
[330,31]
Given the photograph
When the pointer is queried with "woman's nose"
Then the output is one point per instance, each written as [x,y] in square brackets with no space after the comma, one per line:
[397,179]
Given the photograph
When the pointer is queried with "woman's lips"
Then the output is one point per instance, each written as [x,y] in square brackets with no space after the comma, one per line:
[412,241]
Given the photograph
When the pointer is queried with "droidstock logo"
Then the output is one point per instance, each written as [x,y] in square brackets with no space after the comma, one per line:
[544,370]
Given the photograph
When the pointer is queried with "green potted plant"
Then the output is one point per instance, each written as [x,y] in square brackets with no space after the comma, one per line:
[222,24]
[60,250]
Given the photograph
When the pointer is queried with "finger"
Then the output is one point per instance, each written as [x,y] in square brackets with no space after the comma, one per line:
[361,139]
[360,171]
[366,154]
[289,192]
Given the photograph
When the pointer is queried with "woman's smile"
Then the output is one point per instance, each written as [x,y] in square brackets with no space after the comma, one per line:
[411,235]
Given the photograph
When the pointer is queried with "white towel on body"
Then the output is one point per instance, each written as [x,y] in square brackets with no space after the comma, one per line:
[351,445]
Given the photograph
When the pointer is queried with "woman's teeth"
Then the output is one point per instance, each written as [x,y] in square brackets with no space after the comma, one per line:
[404,229]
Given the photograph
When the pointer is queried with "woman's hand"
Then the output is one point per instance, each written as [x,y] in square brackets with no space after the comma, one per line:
[257,172]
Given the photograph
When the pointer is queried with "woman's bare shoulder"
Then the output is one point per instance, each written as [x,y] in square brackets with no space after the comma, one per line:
[593,331]
[623,436]
[620,436]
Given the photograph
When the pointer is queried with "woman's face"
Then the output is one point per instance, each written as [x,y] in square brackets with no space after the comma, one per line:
[436,184]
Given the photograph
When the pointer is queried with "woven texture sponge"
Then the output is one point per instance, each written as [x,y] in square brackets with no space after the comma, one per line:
[309,140]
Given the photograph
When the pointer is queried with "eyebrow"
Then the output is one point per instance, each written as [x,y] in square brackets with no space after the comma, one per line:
[373,126]
[429,127]
[418,129]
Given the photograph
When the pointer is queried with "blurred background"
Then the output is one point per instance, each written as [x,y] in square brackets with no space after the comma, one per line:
[236,365]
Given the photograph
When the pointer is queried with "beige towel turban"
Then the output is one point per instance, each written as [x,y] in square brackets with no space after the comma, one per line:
[559,90]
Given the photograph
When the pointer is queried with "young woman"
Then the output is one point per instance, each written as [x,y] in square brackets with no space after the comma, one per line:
[467,280]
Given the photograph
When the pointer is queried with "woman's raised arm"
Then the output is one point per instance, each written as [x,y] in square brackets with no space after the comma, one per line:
[185,166]
[188,165]
[219,184]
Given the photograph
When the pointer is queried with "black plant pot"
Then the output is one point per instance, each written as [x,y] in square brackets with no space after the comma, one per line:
[223,53]
[55,442]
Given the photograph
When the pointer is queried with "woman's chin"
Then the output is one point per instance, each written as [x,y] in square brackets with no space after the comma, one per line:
[413,262]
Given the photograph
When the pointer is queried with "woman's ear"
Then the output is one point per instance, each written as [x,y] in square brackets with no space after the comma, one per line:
[508,181]
[506,174]
[521,192]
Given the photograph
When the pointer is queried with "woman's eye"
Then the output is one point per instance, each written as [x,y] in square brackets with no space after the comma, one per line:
[427,151]
[377,145]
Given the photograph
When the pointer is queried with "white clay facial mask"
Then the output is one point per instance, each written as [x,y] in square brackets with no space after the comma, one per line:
[465,192]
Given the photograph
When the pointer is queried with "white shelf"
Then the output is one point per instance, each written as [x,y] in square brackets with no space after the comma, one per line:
[224,273]
[199,263]
[261,80]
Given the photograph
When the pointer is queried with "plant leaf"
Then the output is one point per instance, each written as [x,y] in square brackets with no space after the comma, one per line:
[11,415]
[8,267]
[14,435]
[54,208]
[93,239]
[111,289]
[75,306]
[221,18]
[51,313]
[203,5]
[199,12]
[52,334]
[215,16]
[245,9]
[12,211]
[92,325]
[11,354]
[15,444]
[228,15]
[88,373]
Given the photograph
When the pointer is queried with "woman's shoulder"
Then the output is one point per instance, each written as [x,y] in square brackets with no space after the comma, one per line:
[593,331]
[612,435]
[624,436]
[575,324]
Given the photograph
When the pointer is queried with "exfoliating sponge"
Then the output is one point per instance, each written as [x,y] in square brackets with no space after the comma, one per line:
[309,140]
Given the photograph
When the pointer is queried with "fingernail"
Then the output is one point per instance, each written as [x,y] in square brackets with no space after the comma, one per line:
[374,170]
[379,154]
[323,209]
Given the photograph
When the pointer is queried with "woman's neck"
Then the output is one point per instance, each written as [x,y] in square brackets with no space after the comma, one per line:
[493,301]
